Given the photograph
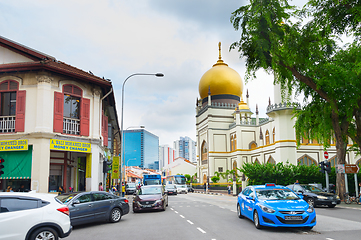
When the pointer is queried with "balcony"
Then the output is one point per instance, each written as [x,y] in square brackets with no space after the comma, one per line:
[7,124]
[71,126]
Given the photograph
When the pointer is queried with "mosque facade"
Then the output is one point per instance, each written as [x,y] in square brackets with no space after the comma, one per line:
[229,134]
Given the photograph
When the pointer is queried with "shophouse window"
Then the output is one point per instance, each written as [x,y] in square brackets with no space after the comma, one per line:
[71,111]
[12,107]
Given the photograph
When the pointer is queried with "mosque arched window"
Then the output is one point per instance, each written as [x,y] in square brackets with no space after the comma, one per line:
[306,160]
[232,143]
[204,151]
[256,161]
[274,135]
[267,137]
[271,160]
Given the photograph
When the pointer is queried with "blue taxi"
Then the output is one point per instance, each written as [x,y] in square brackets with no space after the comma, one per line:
[272,205]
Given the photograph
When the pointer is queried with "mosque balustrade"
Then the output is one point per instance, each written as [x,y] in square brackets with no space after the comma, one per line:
[283,106]
[204,162]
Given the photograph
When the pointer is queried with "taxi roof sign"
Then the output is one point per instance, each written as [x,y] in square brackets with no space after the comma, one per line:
[270,185]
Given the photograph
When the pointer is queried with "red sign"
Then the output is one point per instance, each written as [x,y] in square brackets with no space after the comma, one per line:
[351,168]
[325,154]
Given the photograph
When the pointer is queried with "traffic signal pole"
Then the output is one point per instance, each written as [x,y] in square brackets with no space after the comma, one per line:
[327,182]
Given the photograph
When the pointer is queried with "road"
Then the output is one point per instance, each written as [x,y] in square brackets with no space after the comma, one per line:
[208,217]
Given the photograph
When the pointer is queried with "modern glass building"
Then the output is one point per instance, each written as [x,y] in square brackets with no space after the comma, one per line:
[141,149]
[185,148]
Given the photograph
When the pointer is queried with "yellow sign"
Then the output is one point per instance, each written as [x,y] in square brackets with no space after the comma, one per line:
[14,145]
[63,145]
[115,168]
[88,167]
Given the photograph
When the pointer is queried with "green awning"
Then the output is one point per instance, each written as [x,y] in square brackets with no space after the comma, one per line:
[17,164]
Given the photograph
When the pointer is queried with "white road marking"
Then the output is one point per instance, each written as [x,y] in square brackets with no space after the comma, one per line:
[181,216]
[233,210]
[190,222]
[201,230]
[171,209]
[175,211]
[329,238]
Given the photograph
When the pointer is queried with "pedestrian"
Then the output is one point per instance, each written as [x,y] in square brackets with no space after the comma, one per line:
[8,189]
[70,189]
[101,186]
[297,182]
[123,189]
[229,189]
[205,187]
[60,190]
[22,188]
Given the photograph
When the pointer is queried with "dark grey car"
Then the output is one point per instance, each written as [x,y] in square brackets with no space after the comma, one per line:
[86,207]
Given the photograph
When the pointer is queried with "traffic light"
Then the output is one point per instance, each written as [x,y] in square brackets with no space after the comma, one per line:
[107,166]
[1,166]
[322,167]
[327,166]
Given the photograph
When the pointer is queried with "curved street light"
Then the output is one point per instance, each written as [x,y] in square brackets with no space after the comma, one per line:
[121,123]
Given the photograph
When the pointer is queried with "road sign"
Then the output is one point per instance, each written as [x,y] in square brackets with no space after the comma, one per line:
[325,154]
[351,168]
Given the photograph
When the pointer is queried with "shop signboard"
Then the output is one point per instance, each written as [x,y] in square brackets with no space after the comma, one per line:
[115,168]
[14,145]
[70,146]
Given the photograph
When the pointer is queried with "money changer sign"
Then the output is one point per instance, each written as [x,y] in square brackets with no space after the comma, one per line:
[63,145]
[14,145]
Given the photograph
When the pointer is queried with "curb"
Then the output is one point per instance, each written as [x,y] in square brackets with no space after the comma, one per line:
[213,193]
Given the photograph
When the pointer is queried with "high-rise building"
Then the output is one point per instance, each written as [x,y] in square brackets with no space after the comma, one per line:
[185,148]
[141,149]
[166,156]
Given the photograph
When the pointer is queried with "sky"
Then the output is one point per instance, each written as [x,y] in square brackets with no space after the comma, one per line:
[117,38]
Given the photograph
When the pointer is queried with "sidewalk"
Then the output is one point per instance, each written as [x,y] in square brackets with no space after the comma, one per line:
[352,205]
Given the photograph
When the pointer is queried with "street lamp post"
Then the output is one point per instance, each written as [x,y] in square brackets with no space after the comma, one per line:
[121,123]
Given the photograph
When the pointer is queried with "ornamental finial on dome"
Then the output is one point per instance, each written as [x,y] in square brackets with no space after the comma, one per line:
[220,61]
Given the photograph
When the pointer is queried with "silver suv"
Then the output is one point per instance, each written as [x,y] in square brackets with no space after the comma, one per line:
[33,216]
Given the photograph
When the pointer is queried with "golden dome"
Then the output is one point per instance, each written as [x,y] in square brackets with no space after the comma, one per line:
[220,79]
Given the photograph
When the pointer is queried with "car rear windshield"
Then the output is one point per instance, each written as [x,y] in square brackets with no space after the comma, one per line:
[276,194]
[150,191]
[64,198]
[132,185]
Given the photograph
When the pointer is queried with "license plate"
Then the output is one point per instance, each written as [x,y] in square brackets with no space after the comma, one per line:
[147,205]
[333,202]
[293,217]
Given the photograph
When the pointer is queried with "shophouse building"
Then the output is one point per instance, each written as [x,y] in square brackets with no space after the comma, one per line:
[58,123]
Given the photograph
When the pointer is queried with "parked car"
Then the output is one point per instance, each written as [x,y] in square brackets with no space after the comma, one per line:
[171,189]
[275,206]
[150,197]
[182,189]
[33,216]
[190,189]
[86,207]
[130,188]
[315,196]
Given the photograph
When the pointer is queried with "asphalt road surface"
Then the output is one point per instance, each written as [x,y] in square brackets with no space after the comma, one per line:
[200,216]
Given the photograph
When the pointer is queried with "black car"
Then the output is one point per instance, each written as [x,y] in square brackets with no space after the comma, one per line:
[171,189]
[86,207]
[315,196]
[190,189]
[150,197]
[130,188]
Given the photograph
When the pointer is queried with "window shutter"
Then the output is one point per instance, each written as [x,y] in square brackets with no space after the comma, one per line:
[58,111]
[20,111]
[84,116]
[105,130]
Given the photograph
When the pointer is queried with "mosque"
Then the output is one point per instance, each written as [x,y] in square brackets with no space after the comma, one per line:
[229,134]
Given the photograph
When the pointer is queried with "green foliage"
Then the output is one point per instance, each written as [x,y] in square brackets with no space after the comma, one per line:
[282,174]
[188,178]
[215,179]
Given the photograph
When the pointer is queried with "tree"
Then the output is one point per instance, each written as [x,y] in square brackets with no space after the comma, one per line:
[307,57]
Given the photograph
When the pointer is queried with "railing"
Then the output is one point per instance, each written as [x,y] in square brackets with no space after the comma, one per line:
[7,124]
[283,106]
[71,126]
[204,162]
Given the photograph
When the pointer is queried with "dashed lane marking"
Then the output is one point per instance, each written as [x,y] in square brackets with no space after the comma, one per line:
[201,230]
[190,222]
[181,216]
[171,209]
[175,211]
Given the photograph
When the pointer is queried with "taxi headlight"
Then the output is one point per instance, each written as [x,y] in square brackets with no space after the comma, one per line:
[310,209]
[337,197]
[321,197]
[266,209]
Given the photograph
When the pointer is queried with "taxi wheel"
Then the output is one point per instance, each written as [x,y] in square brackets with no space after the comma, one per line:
[311,202]
[256,220]
[239,211]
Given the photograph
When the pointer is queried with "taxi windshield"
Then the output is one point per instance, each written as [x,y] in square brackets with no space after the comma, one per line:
[276,194]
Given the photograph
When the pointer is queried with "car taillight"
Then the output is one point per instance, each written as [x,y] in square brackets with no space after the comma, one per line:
[64,210]
[126,200]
